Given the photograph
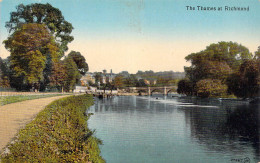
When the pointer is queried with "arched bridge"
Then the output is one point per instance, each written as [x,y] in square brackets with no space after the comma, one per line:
[150,90]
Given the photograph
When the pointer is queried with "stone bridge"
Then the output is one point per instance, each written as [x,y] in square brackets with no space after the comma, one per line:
[150,90]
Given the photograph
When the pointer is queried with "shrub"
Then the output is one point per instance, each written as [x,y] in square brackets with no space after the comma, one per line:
[210,88]
[185,87]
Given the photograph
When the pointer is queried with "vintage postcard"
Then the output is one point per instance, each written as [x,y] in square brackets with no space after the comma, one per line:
[130,81]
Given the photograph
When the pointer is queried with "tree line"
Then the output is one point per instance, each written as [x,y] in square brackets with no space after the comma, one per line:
[37,42]
[223,69]
[140,79]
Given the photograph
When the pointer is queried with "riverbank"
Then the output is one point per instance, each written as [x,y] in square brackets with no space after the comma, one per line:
[128,94]
[58,133]
[15,116]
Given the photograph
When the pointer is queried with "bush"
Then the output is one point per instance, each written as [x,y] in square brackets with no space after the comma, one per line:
[185,87]
[59,133]
[210,88]
[246,82]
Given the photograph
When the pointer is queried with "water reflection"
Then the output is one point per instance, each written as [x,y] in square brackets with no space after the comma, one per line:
[244,123]
[231,127]
[216,131]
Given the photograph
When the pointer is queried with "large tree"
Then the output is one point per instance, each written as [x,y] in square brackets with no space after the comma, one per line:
[42,14]
[131,81]
[80,61]
[30,46]
[58,76]
[98,77]
[73,75]
[227,54]
[4,74]
[216,63]
[185,86]
[246,83]
[231,53]
[119,81]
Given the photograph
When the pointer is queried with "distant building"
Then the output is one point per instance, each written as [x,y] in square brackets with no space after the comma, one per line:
[107,77]
[104,77]
[80,89]
[88,77]
[153,81]
[111,76]
[147,82]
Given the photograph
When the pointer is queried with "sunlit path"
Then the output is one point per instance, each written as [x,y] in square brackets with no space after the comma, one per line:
[15,116]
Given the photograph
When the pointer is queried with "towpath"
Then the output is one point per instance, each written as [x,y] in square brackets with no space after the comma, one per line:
[15,116]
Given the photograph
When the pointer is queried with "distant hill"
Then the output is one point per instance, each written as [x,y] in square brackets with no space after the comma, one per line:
[157,75]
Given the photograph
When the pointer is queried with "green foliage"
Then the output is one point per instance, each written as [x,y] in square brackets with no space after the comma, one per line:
[219,63]
[131,81]
[97,77]
[233,82]
[58,75]
[29,46]
[185,86]
[246,83]
[211,88]
[73,74]
[39,35]
[80,61]
[119,81]
[4,74]
[173,82]
[59,133]
[231,53]
[217,70]
[141,83]
[43,14]
[75,66]
[4,82]
[162,82]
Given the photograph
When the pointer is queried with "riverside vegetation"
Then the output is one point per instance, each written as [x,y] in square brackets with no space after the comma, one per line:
[59,133]
[225,69]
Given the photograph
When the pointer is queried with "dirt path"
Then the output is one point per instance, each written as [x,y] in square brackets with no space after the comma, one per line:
[15,116]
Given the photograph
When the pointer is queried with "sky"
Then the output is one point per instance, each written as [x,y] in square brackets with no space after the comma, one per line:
[132,35]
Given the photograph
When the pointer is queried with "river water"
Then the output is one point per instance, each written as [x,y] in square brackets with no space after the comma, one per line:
[158,129]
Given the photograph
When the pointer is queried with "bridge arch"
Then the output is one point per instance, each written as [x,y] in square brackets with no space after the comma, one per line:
[156,90]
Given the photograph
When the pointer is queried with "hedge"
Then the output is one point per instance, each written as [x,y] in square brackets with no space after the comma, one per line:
[59,133]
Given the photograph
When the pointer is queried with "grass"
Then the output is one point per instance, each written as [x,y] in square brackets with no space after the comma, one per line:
[18,98]
[59,133]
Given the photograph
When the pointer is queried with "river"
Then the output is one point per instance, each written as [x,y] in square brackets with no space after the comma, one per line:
[143,129]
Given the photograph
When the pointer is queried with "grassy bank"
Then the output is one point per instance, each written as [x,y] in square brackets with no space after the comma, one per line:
[59,133]
[18,98]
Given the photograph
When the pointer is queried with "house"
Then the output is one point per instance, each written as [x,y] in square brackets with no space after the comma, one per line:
[104,77]
[153,82]
[88,77]
[147,82]
[107,77]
